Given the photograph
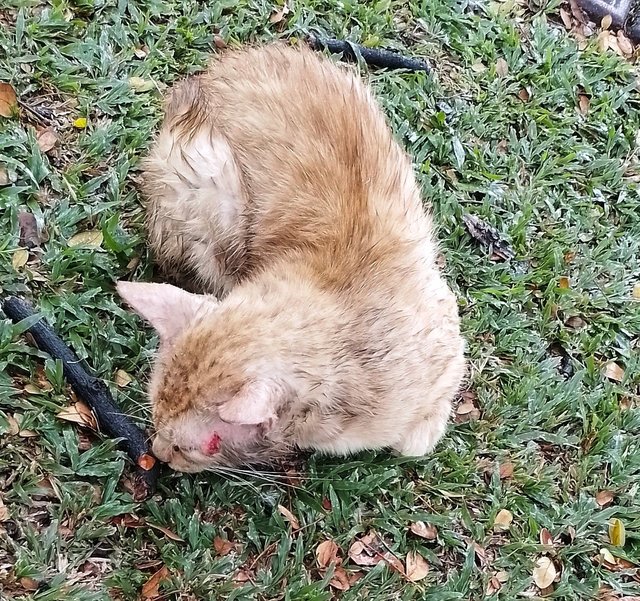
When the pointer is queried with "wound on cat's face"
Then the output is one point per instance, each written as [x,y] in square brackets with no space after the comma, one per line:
[206,411]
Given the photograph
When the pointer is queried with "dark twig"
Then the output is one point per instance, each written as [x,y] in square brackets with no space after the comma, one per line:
[95,393]
[371,56]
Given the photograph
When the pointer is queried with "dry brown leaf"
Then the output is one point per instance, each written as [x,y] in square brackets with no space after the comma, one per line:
[636,291]
[27,433]
[606,22]
[613,371]
[566,19]
[4,512]
[8,100]
[292,519]
[545,538]
[524,95]
[575,322]
[503,520]
[506,470]
[624,43]
[242,576]
[219,42]
[29,584]
[223,546]
[168,533]
[502,67]
[603,40]
[544,573]
[564,283]
[340,580]
[30,235]
[583,103]
[151,588]
[14,426]
[478,67]
[19,258]
[617,533]
[5,180]
[423,530]
[326,553]
[146,461]
[417,567]
[86,239]
[46,139]
[122,378]
[278,15]
[370,550]
[604,498]
[78,413]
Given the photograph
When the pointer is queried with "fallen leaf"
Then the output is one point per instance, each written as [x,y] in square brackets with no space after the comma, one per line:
[603,40]
[327,553]
[478,67]
[89,239]
[27,433]
[242,576]
[417,567]
[614,372]
[566,19]
[604,498]
[545,538]
[46,139]
[544,573]
[5,180]
[340,580]
[14,426]
[4,512]
[138,84]
[19,258]
[524,95]
[168,533]
[575,322]
[292,519]
[488,236]
[78,413]
[223,546]
[617,534]
[219,42]
[122,378]
[583,103]
[141,51]
[80,123]
[29,233]
[606,22]
[502,67]
[424,531]
[636,291]
[146,461]
[151,588]
[564,283]
[624,42]
[503,520]
[608,559]
[8,100]
[370,550]
[278,15]
[506,470]
[29,584]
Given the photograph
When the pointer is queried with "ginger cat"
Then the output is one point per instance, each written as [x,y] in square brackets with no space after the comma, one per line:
[276,185]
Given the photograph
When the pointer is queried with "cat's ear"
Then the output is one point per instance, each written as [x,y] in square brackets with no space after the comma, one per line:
[167,308]
[254,404]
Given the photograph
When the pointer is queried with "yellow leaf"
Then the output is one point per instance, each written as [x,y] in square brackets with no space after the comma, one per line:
[8,100]
[564,283]
[636,291]
[20,258]
[417,567]
[89,239]
[122,378]
[606,22]
[138,84]
[503,520]
[617,532]
[80,123]
[544,573]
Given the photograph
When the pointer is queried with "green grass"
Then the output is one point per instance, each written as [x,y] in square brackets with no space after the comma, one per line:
[561,187]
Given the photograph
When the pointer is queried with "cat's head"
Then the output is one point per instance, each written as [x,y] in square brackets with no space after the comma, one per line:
[212,406]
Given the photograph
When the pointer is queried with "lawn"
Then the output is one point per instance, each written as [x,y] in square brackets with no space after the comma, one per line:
[540,469]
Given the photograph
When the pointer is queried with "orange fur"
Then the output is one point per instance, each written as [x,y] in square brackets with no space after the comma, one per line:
[275,184]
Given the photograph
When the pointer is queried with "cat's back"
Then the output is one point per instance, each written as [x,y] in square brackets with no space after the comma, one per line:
[319,162]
